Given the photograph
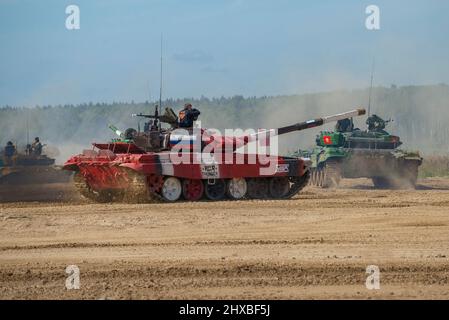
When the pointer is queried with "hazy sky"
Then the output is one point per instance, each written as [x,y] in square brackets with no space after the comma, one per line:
[214,48]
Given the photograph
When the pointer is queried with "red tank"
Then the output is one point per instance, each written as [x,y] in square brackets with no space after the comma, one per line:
[173,163]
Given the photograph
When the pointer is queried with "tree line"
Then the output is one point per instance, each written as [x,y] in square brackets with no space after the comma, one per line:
[420,116]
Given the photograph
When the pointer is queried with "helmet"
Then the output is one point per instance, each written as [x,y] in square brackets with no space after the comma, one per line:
[187,105]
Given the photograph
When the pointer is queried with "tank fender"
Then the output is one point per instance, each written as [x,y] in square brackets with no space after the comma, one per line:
[416,159]
[408,155]
[327,154]
[132,166]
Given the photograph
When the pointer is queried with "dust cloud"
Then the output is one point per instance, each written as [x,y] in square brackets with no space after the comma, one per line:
[419,113]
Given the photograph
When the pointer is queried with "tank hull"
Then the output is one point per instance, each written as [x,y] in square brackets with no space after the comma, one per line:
[388,168]
[20,175]
[375,163]
[106,176]
[29,169]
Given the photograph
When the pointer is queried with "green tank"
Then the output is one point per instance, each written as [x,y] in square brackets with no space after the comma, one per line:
[348,152]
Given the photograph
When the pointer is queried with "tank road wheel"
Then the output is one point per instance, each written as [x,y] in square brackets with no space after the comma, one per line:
[297,184]
[237,188]
[192,189]
[171,189]
[319,175]
[258,188]
[314,174]
[311,177]
[279,187]
[215,191]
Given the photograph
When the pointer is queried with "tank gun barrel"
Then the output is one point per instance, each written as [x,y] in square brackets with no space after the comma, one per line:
[168,116]
[238,142]
[150,116]
[320,121]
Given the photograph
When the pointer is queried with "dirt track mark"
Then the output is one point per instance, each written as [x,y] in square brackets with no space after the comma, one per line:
[314,246]
[201,278]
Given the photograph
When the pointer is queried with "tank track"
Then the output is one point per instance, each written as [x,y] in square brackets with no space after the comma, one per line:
[327,176]
[83,188]
[298,183]
[81,185]
[137,190]
[405,178]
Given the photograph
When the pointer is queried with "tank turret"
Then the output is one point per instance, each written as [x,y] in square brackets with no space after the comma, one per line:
[155,138]
[375,137]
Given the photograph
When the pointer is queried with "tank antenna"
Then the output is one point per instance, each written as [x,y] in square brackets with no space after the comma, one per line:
[28,129]
[160,85]
[370,89]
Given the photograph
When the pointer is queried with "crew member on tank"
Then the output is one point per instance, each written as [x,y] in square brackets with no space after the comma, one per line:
[187,116]
[375,123]
[344,125]
[36,147]
[8,153]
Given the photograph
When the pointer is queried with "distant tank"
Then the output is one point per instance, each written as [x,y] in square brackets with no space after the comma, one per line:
[140,166]
[353,153]
[28,168]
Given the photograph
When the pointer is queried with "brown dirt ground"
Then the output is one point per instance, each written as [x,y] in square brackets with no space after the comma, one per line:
[316,245]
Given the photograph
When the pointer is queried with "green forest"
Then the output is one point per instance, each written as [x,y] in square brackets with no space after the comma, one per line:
[420,115]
